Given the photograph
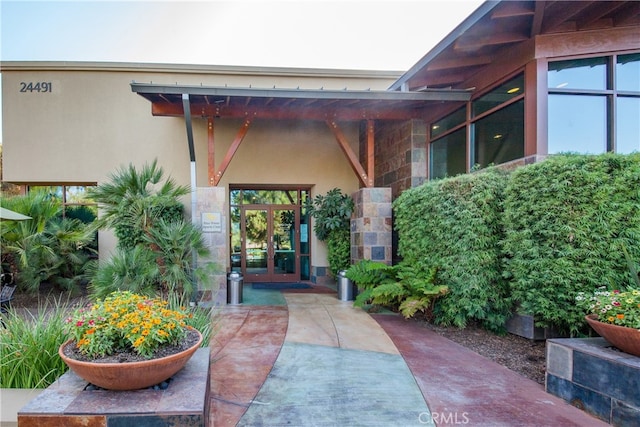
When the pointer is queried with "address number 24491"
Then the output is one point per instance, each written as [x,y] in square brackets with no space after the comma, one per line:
[41,87]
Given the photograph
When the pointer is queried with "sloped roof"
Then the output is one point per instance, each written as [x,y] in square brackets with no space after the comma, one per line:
[497,26]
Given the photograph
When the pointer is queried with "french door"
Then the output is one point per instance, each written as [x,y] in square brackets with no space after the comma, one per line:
[270,238]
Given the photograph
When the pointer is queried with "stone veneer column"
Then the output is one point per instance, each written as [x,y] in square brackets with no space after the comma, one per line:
[371,225]
[418,156]
[212,205]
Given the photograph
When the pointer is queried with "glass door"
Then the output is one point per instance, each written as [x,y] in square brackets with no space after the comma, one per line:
[268,244]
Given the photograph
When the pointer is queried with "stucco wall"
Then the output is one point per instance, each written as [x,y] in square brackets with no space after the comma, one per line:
[91,123]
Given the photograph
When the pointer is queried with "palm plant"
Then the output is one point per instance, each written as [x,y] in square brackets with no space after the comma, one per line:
[46,247]
[147,218]
[134,270]
[133,200]
[177,243]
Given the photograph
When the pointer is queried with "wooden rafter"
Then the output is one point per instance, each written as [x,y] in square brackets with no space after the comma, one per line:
[351,156]
[232,150]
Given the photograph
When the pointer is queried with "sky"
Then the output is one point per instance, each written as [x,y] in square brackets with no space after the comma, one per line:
[346,34]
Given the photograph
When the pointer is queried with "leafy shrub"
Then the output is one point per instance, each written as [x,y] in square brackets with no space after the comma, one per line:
[567,220]
[407,288]
[332,216]
[456,224]
[339,250]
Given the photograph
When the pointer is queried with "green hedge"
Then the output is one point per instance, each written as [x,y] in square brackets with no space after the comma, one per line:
[454,224]
[565,220]
[526,241]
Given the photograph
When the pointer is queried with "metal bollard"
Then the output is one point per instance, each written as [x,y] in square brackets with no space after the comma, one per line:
[234,288]
[345,287]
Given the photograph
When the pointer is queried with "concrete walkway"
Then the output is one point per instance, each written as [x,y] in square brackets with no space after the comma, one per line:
[308,359]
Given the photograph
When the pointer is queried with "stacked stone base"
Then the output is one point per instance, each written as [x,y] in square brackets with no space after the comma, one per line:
[594,376]
[67,403]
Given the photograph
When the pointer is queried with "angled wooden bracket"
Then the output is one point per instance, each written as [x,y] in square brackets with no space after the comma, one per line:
[351,156]
[232,150]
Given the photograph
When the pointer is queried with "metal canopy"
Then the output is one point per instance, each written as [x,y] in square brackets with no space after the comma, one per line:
[276,103]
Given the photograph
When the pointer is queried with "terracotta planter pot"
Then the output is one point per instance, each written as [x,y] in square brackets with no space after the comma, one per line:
[625,339]
[129,375]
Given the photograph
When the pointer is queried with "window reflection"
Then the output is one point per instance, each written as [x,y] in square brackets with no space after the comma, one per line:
[628,128]
[628,73]
[590,73]
[449,122]
[448,155]
[577,123]
[503,93]
[499,137]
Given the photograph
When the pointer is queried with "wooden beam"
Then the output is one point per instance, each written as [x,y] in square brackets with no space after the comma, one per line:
[308,113]
[211,151]
[370,153]
[346,149]
[474,43]
[456,63]
[232,150]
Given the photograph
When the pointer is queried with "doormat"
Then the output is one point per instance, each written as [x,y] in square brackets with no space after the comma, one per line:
[276,286]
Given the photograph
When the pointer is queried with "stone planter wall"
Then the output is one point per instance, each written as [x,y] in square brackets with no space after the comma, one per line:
[593,376]
[524,325]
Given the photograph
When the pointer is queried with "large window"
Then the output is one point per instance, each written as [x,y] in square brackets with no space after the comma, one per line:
[448,155]
[74,200]
[496,127]
[594,104]
[499,137]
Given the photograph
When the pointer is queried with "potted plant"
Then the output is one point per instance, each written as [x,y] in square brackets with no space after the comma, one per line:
[128,341]
[614,315]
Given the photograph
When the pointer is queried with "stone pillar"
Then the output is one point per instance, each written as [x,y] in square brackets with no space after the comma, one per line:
[212,217]
[371,225]
[418,156]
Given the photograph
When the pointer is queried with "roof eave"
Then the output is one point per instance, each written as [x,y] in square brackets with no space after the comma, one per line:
[426,95]
[481,11]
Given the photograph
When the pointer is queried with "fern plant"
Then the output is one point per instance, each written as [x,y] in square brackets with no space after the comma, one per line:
[407,288]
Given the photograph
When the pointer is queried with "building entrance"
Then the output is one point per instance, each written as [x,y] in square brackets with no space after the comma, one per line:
[270,234]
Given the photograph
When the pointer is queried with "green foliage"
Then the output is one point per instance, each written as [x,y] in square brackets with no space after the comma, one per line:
[455,224]
[339,250]
[368,274]
[46,247]
[133,200]
[204,319]
[156,246]
[176,244]
[135,270]
[330,212]
[566,221]
[332,216]
[407,288]
[30,345]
